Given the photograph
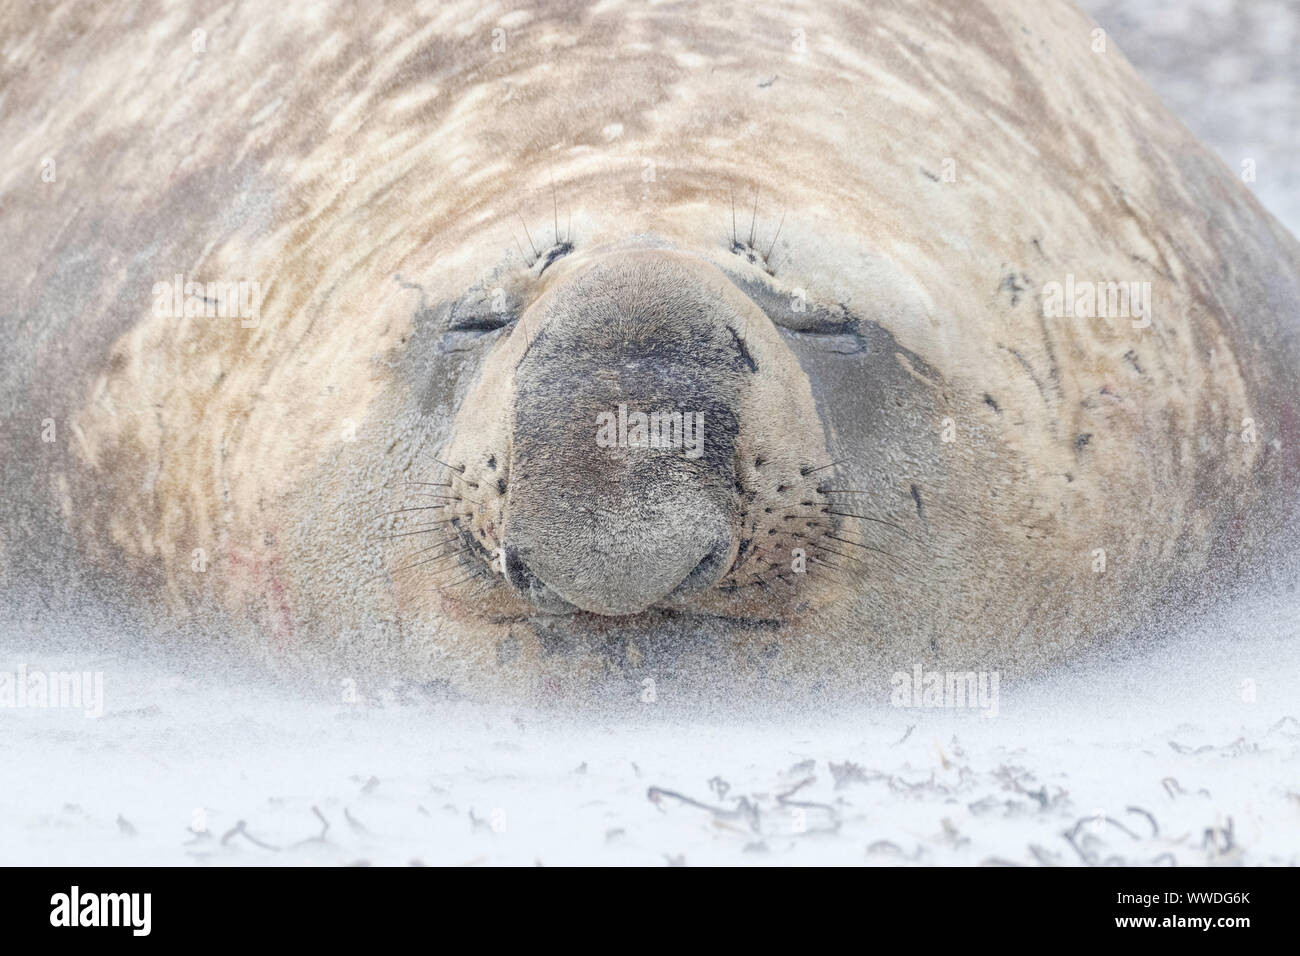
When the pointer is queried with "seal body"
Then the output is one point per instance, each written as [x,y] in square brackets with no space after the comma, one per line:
[985,359]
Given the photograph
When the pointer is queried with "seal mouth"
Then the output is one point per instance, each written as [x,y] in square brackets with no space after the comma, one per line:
[549,601]
[578,622]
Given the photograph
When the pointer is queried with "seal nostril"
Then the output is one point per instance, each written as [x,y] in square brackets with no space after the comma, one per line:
[523,580]
[521,577]
[517,572]
[706,571]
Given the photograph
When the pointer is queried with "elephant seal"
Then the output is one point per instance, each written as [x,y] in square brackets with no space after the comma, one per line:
[593,346]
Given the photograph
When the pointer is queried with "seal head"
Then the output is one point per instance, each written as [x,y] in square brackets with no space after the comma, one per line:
[647,400]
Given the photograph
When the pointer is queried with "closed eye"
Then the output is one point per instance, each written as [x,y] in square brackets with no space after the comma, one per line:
[481,321]
[482,311]
[830,332]
[548,258]
[818,323]
[813,325]
[487,310]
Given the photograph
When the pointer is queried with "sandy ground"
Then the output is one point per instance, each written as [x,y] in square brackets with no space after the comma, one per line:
[1187,752]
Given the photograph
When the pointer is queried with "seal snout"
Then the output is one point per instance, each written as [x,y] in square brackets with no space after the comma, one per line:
[649,441]
[623,441]
[621,563]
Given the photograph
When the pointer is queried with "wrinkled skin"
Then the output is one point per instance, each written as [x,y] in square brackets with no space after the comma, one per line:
[826,229]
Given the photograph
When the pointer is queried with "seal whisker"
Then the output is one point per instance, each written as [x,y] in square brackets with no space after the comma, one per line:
[848,514]
[753,219]
[398,511]
[822,547]
[840,574]
[913,540]
[555,207]
[424,529]
[731,188]
[527,264]
[839,571]
[439,544]
[851,514]
[457,543]
[741,587]
[464,551]
[829,564]
[768,257]
[467,578]
[867,547]
[460,470]
[805,472]
[527,235]
[436,557]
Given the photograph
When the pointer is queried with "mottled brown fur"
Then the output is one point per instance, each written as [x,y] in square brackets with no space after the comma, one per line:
[376,167]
